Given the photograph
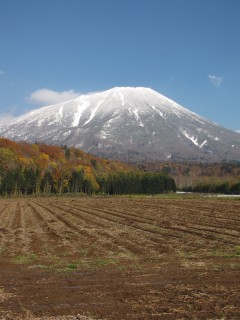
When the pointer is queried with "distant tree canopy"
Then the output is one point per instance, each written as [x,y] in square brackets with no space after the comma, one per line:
[224,187]
[136,183]
[40,168]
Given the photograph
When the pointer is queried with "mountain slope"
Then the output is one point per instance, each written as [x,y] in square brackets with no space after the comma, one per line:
[128,124]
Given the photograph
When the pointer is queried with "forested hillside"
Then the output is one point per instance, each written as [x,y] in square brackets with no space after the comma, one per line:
[39,168]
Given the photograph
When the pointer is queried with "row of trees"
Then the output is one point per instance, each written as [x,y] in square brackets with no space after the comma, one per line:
[225,187]
[211,177]
[136,183]
[81,180]
[29,181]
[39,168]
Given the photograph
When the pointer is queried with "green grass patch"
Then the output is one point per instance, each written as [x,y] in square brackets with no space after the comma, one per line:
[70,267]
[237,250]
[235,253]
[22,259]
[103,262]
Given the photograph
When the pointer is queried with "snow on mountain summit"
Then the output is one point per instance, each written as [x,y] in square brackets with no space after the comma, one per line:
[129,124]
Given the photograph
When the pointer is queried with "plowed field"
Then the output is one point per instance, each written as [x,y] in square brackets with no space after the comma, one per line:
[119,258]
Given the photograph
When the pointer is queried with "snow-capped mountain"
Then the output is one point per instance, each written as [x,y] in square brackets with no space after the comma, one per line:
[130,124]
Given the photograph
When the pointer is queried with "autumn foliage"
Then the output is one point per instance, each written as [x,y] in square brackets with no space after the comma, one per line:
[39,168]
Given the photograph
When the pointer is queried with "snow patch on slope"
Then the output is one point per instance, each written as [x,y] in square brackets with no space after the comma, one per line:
[94,111]
[158,111]
[78,114]
[203,144]
[60,113]
[118,93]
[194,140]
[135,112]
[122,98]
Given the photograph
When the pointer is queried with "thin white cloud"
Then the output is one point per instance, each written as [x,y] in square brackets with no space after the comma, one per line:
[43,97]
[2,72]
[216,80]
[238,131]
[9,116]
[6,118]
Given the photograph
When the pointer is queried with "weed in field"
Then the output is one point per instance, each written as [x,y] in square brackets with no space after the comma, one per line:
[55,260]
[187,254]
[4,295]
[3,250]
[89,315]
[22,259]
[235,253]
[68,235]
[136,266]
[103,262]
[121,268]
[33,256]
[190,254]
[41,266]
[85,252]
[158,229]
[70,267]
[127,255]
[237,248]
[82,263]
[46,251]
[234,265]
[111,253]
[217,268]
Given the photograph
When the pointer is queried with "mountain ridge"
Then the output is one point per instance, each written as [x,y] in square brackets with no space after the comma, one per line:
[129,124]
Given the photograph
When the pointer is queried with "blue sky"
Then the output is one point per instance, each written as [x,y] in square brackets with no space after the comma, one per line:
[188,50]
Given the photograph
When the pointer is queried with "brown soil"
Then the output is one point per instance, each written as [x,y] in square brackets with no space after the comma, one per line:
[119,258]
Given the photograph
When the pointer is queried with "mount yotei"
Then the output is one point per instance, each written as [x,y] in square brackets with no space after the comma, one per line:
[130,124]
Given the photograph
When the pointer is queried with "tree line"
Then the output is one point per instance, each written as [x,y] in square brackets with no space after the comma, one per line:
[26,181]
[136,183]
[224,187]
[43,169]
